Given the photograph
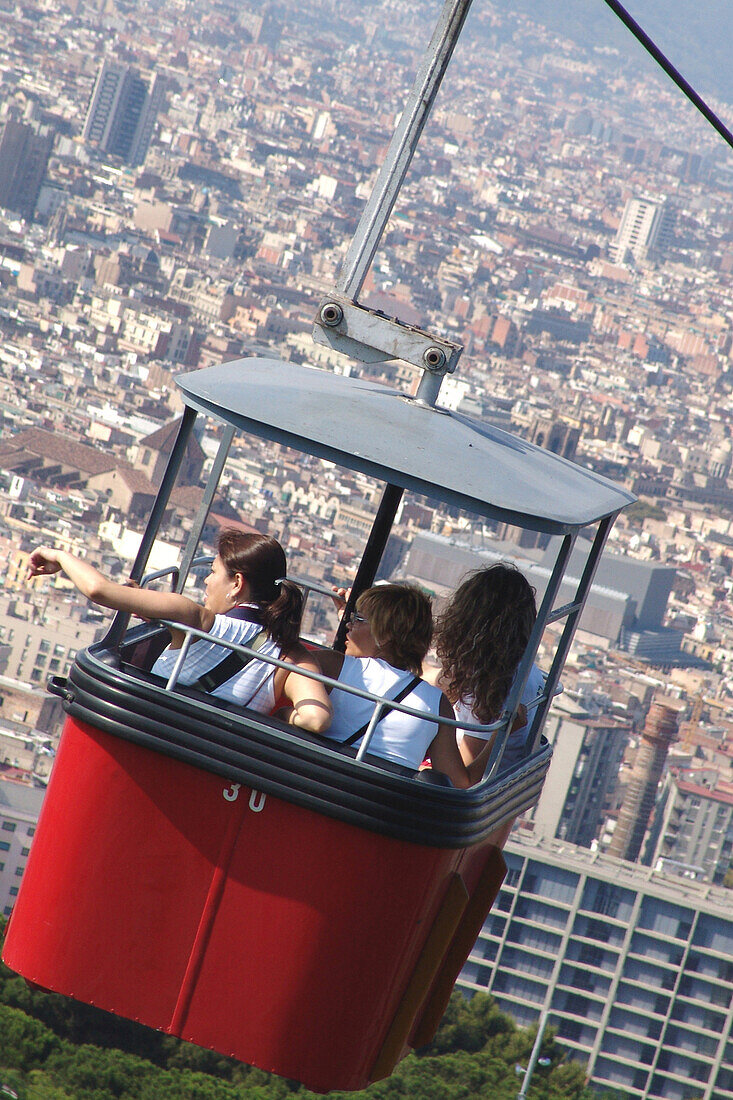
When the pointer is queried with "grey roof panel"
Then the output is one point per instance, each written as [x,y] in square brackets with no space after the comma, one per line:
[383,432]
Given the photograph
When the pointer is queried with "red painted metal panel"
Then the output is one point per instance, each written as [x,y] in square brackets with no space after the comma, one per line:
[163,893]
[118,875]
[319,930]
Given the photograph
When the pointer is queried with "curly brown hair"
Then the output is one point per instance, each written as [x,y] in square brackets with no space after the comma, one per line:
[481,636]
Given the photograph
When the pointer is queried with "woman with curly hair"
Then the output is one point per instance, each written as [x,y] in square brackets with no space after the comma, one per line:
[481,637]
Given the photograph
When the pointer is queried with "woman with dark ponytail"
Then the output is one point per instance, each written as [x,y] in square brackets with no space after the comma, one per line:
[481,637]
[248,601]
[272,601]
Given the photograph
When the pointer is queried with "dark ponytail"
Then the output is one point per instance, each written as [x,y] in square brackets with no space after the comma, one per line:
[281,618]
[261,561]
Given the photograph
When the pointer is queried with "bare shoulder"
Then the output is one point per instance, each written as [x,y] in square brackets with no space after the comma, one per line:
[299,654]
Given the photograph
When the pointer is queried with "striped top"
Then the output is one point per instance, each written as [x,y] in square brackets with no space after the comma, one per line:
[251,686]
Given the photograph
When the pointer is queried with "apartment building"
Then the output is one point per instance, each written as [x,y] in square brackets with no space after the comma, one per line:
[41,640]
[583,773]
[633,969]
[24,152]
[644,229]
[20,806]
[692,834]
[122,112]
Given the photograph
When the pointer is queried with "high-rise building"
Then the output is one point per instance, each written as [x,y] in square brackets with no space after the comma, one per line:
[20,806]
[122,112]
[588,751]
[644,229]
[24,152]
[634,970]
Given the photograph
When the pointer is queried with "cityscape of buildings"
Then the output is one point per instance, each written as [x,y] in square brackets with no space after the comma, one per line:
[178,185]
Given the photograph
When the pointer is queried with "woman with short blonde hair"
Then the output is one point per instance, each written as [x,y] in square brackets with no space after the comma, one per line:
[387,640]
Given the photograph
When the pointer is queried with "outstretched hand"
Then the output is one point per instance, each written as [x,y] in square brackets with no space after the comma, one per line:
[42,562]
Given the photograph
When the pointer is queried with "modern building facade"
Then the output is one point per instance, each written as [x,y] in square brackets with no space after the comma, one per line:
[633,969]
[122,112]
[627,596]
[583,773]
[24,153]
[644,229]
[692,833]
[20,806]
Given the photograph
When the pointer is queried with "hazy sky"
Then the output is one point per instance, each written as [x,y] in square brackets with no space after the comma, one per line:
[696,35]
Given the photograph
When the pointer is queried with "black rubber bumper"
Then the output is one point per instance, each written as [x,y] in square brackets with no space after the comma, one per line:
[262,753]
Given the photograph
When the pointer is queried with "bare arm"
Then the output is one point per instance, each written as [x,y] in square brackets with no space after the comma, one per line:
[463,768]
[138,601]
[472,747]
[308,705]
[443,751]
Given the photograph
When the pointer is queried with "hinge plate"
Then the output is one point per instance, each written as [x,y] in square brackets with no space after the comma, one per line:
[371,336]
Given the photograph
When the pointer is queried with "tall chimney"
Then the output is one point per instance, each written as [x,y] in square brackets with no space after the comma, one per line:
[660,731]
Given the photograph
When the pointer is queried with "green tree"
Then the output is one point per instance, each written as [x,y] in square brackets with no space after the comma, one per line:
[180,1055]
[468,1025]
[41,1086]
[23,1040]
[644,509]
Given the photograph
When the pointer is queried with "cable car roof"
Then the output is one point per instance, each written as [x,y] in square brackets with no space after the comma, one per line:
[388,435]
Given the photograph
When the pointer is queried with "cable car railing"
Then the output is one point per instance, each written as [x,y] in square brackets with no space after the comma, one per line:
[485,731]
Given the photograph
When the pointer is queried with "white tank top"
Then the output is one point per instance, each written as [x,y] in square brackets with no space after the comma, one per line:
[400,738]
[252,686]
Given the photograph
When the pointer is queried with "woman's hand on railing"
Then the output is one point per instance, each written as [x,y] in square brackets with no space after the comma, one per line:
[340,597]
[520,719]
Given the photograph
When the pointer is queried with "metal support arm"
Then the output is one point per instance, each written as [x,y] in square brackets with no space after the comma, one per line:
[370,341]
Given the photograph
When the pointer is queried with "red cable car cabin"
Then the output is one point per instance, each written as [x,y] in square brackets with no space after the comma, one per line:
[219,876]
